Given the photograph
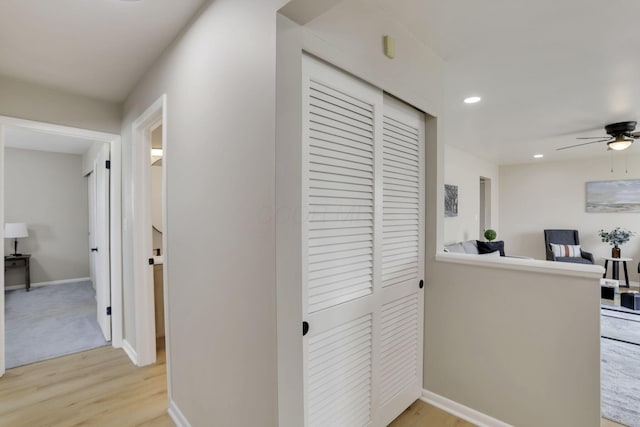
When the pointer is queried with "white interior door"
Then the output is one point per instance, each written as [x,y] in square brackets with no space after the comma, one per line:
[92,188]
[362,250]
[102,242]
[402,246]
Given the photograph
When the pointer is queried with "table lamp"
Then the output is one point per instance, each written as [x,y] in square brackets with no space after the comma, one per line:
[15,230]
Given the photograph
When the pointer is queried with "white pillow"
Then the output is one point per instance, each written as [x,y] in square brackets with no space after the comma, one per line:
[566,250]
[494,253]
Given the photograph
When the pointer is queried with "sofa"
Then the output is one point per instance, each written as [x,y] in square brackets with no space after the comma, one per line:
[471,247]
[486,249]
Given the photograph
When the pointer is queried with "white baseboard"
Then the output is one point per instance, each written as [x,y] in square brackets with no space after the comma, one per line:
[461,411]
[53,282]
[131,352]
[177,416]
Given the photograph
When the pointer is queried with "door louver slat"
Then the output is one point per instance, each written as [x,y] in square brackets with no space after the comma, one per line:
[336,393]
[340,196]
[401,202]
[399,341]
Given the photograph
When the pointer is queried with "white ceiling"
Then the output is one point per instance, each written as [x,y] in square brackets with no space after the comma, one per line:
[28,139]
[547,70]
[97,48]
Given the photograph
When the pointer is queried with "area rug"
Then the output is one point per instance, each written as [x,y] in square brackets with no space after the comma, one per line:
[620,326]
[620,369]
[50,321]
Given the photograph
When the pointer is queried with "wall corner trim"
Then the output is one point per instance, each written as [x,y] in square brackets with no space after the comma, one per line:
[461,411]
[131,352]
[177,416]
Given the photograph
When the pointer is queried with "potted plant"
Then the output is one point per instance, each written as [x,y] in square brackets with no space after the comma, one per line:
[490,235]
[616,237]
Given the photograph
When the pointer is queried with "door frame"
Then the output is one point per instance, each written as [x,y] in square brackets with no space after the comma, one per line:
[145,351]
[115,214]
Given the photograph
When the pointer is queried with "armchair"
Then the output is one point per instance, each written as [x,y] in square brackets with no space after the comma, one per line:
[565,237]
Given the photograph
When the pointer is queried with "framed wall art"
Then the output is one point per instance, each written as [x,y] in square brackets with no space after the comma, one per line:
[450,200]
[613,196]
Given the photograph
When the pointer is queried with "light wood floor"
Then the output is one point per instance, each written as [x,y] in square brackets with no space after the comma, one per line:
[98,387]
[421,414]
[103,388]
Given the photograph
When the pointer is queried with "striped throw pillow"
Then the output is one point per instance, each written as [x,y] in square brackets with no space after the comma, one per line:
[566,250]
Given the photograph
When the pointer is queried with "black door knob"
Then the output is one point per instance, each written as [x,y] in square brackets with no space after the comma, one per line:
[305,328]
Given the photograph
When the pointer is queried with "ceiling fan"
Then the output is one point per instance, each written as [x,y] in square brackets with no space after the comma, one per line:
[622,136]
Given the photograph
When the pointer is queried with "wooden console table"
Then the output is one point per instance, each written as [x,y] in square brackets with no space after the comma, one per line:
[614,268]
[20,261]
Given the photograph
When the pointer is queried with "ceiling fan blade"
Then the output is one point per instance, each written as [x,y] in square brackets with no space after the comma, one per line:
[579,145]
[635,135]
[593,137]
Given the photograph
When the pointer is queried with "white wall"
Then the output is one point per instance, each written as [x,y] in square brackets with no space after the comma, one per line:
[219,77]
[464,170]
[48,192]
[520,345]
[552,195]
[35,102]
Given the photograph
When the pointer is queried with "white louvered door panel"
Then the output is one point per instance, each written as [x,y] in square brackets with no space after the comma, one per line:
[361,251]
[340,197]
[342,118]
[340,375]
[401,329]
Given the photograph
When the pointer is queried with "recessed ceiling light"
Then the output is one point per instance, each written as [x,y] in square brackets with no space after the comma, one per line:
[472,100]
[538,156]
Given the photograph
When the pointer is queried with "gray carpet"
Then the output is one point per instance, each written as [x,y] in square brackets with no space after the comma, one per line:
[50,321]
[620,368]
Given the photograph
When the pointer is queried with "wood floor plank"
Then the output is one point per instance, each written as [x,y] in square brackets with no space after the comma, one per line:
[421,414]
[99,387]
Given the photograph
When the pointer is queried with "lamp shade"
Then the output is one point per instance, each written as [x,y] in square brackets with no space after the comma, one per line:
[620,143]
[14,230]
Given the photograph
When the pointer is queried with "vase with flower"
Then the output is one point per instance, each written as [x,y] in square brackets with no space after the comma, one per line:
[616,237]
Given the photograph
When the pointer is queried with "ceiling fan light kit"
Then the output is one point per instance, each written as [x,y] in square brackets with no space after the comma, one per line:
[620,143]
[622,136]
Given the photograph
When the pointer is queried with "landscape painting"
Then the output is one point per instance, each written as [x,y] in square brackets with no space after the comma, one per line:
[450,200]
[614,196]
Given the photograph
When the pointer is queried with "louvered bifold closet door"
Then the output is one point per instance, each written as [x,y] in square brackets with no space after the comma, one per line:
[402,257]
[344,280]
[342,118]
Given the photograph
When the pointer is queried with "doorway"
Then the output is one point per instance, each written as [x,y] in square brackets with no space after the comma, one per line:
[484,210]
[151,253]
[157,231]
[74,146]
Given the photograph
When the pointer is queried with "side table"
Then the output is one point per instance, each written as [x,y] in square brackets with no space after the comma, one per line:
[615,268]
[20,261]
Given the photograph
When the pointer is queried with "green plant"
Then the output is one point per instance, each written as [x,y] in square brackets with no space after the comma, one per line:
[616,237]
[490,234]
